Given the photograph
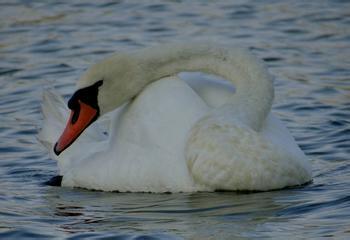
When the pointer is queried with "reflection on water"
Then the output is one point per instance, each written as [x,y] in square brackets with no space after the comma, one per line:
[306,47]
[178,213]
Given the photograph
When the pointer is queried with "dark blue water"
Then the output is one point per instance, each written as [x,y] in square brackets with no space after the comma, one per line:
[306,45]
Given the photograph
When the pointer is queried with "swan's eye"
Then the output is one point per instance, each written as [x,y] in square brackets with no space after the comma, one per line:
[73,103]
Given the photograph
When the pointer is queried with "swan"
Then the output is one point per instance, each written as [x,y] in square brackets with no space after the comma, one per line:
[157,132]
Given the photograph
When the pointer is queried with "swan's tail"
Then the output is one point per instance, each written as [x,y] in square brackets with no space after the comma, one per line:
[55,114]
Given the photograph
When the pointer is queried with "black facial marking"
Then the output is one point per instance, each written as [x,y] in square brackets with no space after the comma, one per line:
[87,95]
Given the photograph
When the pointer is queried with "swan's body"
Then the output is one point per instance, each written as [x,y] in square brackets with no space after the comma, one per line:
[182,135]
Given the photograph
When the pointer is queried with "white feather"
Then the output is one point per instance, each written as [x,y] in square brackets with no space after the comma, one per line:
[179,136]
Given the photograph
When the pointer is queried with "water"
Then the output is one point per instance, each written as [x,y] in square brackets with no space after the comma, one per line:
[306,47]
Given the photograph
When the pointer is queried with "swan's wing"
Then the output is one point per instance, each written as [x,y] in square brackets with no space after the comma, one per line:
[54,113]
[224,154]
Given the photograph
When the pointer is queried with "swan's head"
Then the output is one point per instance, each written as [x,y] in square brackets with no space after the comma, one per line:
[103,87]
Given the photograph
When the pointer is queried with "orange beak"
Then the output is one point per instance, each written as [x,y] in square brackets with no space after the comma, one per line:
[78,121]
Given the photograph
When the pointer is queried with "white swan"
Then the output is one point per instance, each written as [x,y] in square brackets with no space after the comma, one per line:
[169,135]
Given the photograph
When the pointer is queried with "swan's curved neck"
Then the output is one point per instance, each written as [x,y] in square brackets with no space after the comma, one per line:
[254,89]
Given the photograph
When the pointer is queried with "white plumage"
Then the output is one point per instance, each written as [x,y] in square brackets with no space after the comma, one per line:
[179,135]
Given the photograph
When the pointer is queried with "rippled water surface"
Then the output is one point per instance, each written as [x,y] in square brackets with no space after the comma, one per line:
[306,47]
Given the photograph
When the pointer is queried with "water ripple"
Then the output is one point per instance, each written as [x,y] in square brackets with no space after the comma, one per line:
[305,44]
